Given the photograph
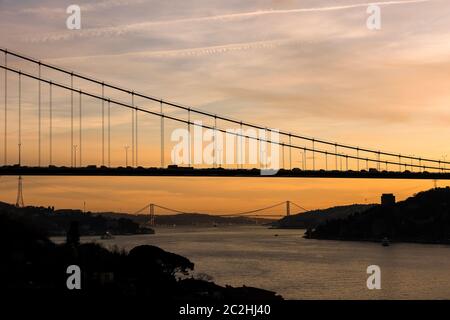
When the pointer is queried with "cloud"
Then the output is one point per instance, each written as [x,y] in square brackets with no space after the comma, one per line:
[87,7]
[192,52]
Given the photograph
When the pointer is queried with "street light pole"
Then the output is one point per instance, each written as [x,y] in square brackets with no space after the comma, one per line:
[74,147]
[126,155]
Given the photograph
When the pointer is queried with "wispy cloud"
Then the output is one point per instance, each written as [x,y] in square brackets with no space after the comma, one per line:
[143,26]
[192,52]
[287,11]
[90,7]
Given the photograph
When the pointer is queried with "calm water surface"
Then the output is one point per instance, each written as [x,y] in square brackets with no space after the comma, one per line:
[298,268]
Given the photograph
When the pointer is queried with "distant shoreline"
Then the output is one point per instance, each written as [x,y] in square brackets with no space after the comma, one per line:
[60,239]
[392,241]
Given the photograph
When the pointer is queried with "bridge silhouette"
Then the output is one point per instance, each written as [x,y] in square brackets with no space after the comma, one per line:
[150,209]
[317,157]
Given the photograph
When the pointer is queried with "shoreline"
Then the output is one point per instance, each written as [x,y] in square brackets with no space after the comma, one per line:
[391,241]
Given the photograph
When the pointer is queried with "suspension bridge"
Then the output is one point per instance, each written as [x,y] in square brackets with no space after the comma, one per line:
[71,131]
[288,205]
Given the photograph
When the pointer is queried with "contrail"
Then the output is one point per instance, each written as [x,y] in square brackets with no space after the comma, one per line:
[123,29]
[192,52]
[301,10]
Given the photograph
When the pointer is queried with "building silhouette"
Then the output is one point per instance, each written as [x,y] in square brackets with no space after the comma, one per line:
[387,199]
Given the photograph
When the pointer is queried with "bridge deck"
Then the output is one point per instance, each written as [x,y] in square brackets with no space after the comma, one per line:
[214,172]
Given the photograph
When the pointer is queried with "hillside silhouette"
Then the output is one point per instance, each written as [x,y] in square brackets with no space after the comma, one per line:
[313,218]
[56,222]
[425,217]
[34,266]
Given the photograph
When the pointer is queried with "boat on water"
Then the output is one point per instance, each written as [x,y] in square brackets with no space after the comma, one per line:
[106,236]
[385,242]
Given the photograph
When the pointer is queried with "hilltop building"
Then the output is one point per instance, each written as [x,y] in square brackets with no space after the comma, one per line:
[387,199]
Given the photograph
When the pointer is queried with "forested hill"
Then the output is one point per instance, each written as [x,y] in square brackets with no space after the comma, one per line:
[425,217]
[56,222]
[313,218]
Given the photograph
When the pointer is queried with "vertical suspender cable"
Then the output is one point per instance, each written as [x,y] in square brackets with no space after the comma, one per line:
[260,152]
[136,127]
[378,162]
[20,119]
[314,156]
[109,133]
[132,129]
[357,155]
[242,148]
[71,122]
[162,135]
[80,125]
[290,152]
[39,116]
[215,143]
[189,134]
[304,159]
[336,156]
[264,154]
[51,124]
[103,124]
[6,111]
[236,150]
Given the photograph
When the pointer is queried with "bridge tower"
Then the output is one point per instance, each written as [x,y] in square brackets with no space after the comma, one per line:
[152,214]
[288,208]
[19,200]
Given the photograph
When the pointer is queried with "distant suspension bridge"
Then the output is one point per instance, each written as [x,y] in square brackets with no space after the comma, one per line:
[288,205]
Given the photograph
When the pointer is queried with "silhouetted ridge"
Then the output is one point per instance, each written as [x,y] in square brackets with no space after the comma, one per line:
[425,217]
[57,222]
[313,218]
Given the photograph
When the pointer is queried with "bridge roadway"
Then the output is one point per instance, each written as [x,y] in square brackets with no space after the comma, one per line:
[16,170]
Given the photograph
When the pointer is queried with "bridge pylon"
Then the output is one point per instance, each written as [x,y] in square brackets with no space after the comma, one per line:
[288,208]
[19,200]
[152,214]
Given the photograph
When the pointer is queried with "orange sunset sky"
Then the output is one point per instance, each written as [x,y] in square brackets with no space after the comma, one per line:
[309,67]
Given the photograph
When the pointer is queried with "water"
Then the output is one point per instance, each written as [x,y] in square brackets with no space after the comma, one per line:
[298,268]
